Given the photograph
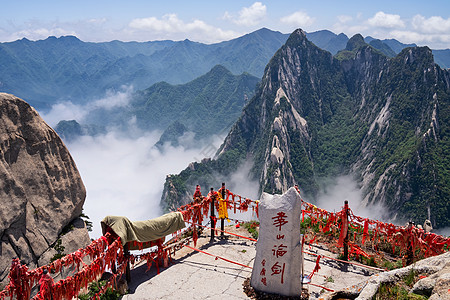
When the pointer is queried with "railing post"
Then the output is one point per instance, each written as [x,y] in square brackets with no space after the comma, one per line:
[222,220]
[409,248]
[114,268]
[213,225]
[127,257]
[346,235]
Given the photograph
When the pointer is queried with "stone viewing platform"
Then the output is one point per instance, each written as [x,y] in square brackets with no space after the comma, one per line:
[194,275]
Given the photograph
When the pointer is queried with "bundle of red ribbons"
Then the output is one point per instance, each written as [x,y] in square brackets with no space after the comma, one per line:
[199,208]
[401,238]
[22,280]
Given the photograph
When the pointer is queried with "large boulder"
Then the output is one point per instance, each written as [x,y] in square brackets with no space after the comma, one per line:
[41,191]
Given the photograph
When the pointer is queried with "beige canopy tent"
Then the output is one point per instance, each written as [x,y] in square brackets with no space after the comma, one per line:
[143,231]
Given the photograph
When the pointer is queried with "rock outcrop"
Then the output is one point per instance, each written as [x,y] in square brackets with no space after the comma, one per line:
[435,273]
[41,191]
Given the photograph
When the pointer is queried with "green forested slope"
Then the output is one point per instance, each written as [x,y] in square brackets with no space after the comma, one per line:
[205,105]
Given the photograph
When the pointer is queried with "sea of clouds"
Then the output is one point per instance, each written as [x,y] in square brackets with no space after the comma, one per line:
[122,170]
[336,190]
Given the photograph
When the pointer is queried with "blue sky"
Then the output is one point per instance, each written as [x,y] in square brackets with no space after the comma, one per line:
[421,22]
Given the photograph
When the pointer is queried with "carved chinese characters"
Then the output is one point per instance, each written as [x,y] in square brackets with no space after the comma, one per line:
[277,267]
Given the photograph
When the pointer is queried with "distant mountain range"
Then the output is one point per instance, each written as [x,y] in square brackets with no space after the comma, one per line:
[66,68]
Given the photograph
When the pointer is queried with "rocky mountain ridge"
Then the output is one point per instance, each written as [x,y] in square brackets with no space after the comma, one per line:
[383,121]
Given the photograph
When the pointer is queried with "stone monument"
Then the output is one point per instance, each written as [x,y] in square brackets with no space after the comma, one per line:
[278,264]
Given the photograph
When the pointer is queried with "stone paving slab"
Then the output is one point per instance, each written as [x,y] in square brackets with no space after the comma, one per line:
[194,275]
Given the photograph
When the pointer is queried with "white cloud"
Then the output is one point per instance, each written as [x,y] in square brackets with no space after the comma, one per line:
[172,27]
[40,33]
[113,99]
[63,111]
[348,28]
[239,182]
[349,25]
[407,36]
[337,190]
[169,26]
[433,31]
[248,16]
[66,110]
[88,30]
[252,15]
[344,18]
[442,231]
[97,21]
[168,23]
[384,20]
[433,25]
[298,18]
[435,41]
[227,16]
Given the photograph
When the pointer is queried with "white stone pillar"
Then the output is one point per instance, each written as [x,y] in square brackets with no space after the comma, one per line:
[278,266]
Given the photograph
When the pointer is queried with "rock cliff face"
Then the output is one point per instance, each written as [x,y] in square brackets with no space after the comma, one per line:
[383,120]
[41,191]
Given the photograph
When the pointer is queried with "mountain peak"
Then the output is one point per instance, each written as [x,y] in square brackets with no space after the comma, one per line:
[418,57]
[219,69]
[355,42]
[263,30]
[69,38]
[297,37]
[300,33]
